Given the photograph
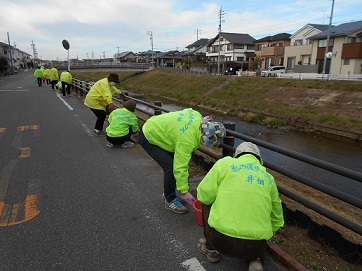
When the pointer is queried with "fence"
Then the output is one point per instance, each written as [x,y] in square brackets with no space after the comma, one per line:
[347,249]
[317,76]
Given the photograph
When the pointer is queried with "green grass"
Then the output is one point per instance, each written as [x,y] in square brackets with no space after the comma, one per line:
[235,95]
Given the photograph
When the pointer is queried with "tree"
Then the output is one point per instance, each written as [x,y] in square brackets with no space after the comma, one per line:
[256,64]
[4,65]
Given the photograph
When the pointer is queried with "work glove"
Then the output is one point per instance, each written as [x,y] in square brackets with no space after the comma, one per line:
[188,198]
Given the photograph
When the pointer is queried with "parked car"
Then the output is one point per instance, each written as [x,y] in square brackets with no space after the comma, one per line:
[273,71]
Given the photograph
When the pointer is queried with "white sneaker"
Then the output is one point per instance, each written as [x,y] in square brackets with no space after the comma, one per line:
[110,145]
[127,144]
[255,265]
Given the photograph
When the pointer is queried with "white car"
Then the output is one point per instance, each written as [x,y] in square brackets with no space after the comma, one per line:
[273,71]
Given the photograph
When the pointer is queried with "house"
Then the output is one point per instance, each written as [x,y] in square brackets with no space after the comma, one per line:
[147,56]
[197,50]
[125,57]
[230,50]
[298,55]
[345,45]
[169,59]
[271,49]
[17,59]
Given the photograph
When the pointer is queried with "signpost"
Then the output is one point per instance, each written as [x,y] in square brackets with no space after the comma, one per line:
[66,47]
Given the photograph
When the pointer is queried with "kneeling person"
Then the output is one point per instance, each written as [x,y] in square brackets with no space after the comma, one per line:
[122,123]
[241,207]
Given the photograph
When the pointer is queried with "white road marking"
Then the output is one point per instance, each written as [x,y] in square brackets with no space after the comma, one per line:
[85,127]
[7,90]
[193,265]
[66,104]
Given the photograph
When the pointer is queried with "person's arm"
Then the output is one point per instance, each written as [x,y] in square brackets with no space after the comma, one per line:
[208,187]
[182,157]
[276,215]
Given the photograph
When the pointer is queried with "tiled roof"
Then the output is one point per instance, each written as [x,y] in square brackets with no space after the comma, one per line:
[320,27]
[340,30]
[198,43]
[277,37]
[237,38]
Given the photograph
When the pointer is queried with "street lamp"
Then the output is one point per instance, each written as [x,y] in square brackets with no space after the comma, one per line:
[66,47]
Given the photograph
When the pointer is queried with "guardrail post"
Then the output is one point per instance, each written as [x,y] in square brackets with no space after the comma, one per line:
[229,139]
[159,104]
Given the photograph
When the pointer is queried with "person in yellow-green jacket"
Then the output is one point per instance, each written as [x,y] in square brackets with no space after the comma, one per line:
[241,207]
[66,80]
[54,77]
[170,139]
[38,74]
[122,124]
[47,75]
[99,100]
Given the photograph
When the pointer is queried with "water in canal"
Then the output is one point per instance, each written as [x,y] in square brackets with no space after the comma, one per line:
[336,150]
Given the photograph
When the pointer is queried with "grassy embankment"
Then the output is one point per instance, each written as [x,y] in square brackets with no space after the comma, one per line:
[271,101]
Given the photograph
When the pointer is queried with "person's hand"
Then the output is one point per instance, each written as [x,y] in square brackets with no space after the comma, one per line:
[188,198]
[110,107]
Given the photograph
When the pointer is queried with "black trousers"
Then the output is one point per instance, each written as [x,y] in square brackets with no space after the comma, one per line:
[247,250]
[101,116]
[65,86]
[165,160]
[39,81]
[54,82]
[121,139]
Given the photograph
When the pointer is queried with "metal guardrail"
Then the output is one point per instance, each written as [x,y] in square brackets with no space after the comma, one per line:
[317,76]
[82,88]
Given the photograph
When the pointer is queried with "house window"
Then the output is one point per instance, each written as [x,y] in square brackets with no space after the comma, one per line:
[346,61]
[323,43]
[351,40]
[298,42]
[258,47]
[239,46]
[240,58]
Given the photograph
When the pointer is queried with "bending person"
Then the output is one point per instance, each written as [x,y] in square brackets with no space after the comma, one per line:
[99,100]
[170,139]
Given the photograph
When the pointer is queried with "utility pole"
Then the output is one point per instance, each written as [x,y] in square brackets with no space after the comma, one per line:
[197,33]
[151,39]
[35,53]
[327,45]
[11,55]
[221,14]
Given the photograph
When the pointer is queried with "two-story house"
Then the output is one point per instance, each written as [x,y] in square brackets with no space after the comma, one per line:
[298,55]
[345,44]
[271,49]
[196,51]
[230,49]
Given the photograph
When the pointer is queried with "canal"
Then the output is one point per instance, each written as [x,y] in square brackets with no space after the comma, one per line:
[340,151]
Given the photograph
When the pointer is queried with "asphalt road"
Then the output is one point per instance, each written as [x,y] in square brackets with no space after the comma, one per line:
[70,203]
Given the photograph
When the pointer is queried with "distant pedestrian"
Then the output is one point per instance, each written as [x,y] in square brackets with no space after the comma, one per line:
[66,81]
[47,75]
[170,139]
[122,124]
[54,77]
[241,208]
[99,100]
[38,74]
[43,79]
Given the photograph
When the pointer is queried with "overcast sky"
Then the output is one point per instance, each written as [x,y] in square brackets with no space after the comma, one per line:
[101,28]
